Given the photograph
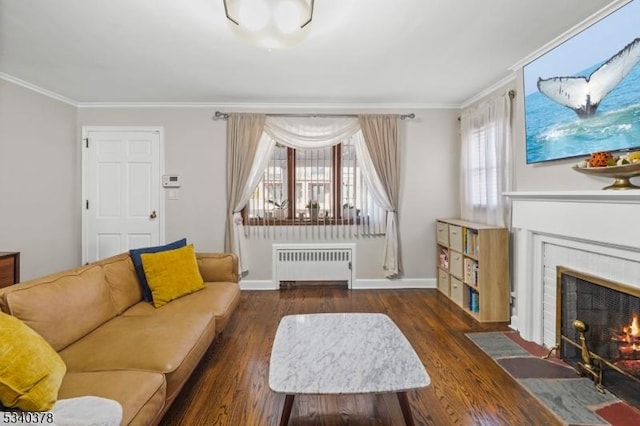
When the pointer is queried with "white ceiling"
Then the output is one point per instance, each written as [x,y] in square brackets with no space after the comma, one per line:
[369,52]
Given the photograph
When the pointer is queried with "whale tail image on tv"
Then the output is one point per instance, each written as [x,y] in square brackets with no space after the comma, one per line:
[583,94]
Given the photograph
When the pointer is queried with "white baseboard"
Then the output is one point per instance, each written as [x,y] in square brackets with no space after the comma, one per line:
[257,285]
[359,284]
[382,283]
[514,323]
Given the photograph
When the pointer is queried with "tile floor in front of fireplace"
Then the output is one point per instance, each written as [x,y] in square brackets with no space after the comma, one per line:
[573,399]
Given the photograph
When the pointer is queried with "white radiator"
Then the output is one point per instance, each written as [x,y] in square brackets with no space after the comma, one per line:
[313,262]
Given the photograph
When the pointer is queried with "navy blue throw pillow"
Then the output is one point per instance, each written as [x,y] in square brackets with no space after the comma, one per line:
[137,263]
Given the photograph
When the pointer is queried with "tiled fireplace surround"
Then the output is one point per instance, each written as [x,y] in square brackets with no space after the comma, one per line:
[597,232]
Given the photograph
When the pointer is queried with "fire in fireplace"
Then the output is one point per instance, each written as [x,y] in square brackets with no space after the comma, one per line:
[599,331]
[628,340]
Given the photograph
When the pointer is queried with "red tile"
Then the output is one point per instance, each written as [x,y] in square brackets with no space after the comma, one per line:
[620,414]
[533,348]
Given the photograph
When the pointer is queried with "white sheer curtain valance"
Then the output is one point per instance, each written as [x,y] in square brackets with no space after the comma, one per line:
[310,132]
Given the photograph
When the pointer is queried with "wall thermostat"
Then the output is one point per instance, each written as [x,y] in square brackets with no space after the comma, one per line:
[171,181]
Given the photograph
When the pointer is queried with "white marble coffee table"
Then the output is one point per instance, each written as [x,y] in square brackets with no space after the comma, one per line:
[350,353]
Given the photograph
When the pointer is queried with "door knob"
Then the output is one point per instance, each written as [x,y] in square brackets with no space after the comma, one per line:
[153,215]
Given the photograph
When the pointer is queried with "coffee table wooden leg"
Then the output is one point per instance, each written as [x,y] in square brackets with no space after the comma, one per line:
[286,410]
[406,409]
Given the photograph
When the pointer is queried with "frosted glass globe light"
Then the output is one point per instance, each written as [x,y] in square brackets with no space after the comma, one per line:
[270,23]
[288,15]
[253,14]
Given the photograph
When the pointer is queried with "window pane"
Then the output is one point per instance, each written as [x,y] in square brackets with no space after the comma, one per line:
[314,179]
[484,171]
[270,197]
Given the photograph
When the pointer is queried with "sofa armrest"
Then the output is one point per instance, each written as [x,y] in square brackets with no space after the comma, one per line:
[218,266]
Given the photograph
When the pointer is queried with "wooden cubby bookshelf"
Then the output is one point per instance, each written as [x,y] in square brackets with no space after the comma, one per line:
[476,274]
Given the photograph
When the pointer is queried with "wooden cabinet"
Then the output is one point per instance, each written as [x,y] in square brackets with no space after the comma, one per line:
[473,267]
[9,268]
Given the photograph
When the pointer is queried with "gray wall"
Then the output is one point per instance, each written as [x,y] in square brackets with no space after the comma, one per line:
[195,149]
[40,176]
[39,180]
[430,150]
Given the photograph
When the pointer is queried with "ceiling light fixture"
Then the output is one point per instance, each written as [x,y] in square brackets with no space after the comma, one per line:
[270,23]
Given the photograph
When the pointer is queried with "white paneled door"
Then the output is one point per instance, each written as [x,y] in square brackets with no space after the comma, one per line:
[122,205]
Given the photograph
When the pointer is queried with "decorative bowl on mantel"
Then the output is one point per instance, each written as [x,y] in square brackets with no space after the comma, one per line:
[621,174]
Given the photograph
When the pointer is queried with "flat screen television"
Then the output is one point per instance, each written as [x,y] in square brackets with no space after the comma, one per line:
[583,96]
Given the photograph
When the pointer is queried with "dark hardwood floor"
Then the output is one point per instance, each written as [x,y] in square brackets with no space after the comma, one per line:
[230,386]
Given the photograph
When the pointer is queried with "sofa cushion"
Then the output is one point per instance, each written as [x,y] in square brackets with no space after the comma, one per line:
[221,298]
[140,393]
[165,342]
[63,307]
[30,370]
[172,274]
[122,280]
[137,263]
[218,267]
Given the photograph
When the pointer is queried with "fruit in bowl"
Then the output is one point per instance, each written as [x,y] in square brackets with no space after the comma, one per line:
[607,159]
[601,159]
[628,159]
[621,168]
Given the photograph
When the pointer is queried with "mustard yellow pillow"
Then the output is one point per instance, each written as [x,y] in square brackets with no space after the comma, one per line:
[31,371]
[172,274]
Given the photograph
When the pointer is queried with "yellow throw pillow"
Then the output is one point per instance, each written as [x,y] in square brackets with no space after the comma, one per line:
[172,274]
[31,372]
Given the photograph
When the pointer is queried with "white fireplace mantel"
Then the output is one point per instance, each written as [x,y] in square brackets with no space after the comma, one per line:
[628,196]
[604,225]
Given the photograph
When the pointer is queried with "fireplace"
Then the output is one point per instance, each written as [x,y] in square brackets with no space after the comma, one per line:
[590,231]
[598,331]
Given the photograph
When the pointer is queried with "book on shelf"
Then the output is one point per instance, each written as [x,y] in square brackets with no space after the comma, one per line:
[471,242]
[471,272]
[473,303]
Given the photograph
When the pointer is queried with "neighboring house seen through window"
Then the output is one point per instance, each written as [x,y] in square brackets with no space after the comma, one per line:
[310,186]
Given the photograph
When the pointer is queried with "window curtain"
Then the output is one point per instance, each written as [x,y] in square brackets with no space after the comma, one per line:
[245,146]
[380,134]
[318,133]
[251,140]
[486,161]
[307,133]
[310,132]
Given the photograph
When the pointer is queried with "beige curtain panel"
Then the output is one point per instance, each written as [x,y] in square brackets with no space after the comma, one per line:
[244,132]
[381,137]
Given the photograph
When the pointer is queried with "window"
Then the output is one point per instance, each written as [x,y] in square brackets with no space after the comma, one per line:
[312,186]
[483,169]
[486,161]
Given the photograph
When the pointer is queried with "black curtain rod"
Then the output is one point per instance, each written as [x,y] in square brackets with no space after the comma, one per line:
[223,115]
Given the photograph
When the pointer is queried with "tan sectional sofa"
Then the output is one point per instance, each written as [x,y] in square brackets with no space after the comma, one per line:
[113,343]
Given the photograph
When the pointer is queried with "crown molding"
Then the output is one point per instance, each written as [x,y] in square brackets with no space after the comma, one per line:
[272,106]
[245,106]
[510,78]
[607,10]
[37,89]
